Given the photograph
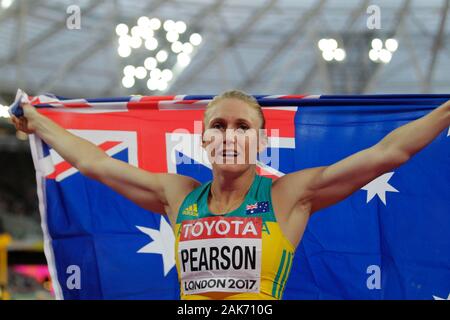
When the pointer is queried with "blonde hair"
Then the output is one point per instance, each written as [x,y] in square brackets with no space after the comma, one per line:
[239,95]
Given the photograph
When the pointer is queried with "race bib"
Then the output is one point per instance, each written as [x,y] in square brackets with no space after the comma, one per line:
[220,254]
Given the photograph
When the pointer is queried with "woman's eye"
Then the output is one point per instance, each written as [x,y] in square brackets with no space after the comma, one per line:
[217,126]
[244,127]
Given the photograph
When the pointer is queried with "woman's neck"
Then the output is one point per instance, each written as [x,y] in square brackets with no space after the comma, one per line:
[227,188]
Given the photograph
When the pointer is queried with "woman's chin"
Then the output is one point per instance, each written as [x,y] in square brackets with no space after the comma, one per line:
[231,167]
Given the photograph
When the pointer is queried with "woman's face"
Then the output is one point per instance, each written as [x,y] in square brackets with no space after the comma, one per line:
[231,135]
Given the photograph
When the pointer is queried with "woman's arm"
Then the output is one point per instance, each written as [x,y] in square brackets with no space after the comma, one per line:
[321,187]
[160,192]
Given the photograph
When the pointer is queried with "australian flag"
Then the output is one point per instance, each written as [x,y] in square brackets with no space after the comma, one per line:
[258,207]
[389,240]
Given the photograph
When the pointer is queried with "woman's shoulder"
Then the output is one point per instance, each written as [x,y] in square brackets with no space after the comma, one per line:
[292,187]
[180,185]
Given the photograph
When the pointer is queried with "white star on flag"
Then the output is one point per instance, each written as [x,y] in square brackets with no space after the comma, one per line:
[379,186]
[163,243]
[439,298]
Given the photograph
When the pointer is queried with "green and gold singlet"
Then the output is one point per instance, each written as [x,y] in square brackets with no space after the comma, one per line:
[239,255]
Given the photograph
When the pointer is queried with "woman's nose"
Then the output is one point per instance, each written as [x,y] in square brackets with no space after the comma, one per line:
[230,137]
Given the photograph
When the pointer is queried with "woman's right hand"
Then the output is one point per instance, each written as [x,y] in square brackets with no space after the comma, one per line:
[27,122]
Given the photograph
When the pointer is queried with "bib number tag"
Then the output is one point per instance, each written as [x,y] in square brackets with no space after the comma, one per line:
[220,254]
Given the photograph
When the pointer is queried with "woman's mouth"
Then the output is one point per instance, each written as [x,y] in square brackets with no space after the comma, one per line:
[230,154]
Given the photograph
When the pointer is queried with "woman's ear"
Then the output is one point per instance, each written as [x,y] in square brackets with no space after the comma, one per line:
[263,140]
[203,139]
